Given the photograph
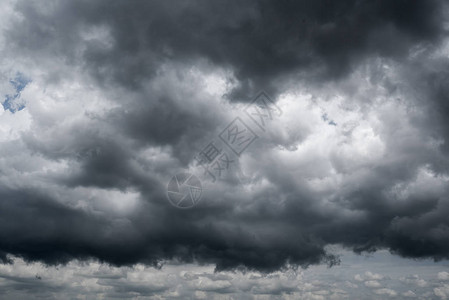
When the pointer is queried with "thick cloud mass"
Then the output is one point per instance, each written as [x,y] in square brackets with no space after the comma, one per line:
[123,95]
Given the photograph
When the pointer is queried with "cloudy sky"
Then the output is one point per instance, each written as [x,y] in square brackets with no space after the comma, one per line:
[342,193]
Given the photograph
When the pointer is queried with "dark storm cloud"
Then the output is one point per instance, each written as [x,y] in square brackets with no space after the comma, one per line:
[60,234]
[167,120]
[266,45]
[430,79]
[262,42]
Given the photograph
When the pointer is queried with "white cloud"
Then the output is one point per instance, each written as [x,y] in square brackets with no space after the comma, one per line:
[442,292]
[351,285]
[386,292]
[358,277]
[409,294]
[373,276]
[415,280]
[443,275]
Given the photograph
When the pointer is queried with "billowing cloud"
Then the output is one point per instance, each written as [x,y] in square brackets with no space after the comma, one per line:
[119,97]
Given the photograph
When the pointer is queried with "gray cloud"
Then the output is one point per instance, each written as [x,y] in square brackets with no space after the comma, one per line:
[119,102]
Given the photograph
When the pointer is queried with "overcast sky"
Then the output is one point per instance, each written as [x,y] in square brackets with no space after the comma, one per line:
[341,193]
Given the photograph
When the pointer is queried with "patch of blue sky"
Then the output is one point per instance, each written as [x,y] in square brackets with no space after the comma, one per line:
[14,102]
[325,118]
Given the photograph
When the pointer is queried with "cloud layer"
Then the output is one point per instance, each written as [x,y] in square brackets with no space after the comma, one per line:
[122,96]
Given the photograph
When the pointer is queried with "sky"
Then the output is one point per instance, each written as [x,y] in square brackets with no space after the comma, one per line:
[224,150]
